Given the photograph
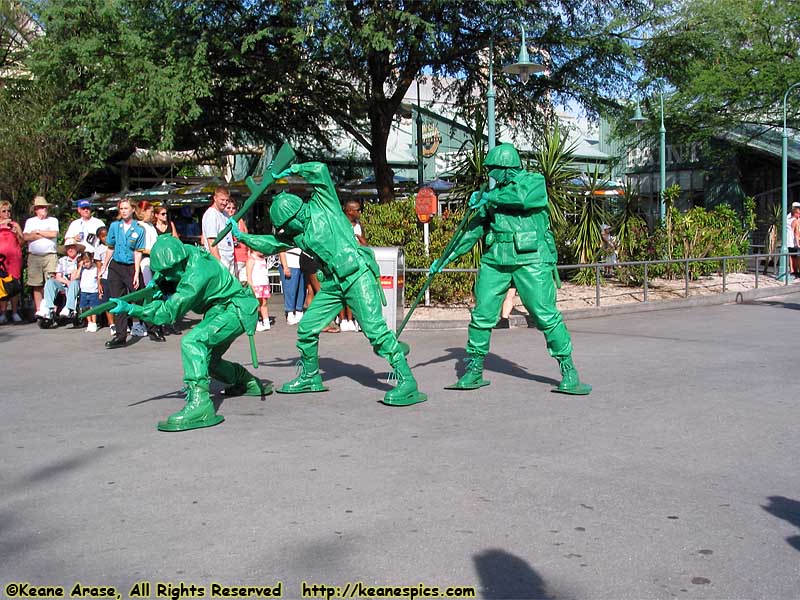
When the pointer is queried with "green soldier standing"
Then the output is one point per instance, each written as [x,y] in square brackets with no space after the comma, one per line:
[519,250]
[348,274]
[204,286]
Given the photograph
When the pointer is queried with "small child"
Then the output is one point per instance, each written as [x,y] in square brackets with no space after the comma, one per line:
[258,278]
[102,278]
[89,288]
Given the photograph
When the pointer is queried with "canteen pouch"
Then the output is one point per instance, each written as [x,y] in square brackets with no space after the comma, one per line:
[526,241]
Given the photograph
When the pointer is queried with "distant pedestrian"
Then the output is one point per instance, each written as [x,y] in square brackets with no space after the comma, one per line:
[40,232]
[609,246]
[125,241]
[293,285]
[84,228]
[11,252]
[215,220]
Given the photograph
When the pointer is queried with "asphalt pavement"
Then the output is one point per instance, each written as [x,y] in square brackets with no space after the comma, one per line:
[677,476]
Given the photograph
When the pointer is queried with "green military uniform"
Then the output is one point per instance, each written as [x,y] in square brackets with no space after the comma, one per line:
[519,250]
[204,286]
[348,275]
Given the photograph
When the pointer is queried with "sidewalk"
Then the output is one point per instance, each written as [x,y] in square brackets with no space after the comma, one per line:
[579,301]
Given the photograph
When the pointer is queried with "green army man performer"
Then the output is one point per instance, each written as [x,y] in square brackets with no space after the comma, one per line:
[348,274]
[519,250]
[204,286]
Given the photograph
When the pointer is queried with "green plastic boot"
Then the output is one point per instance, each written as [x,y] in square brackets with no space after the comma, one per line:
[198,412]
[570,382]
[473,378]
[405,393]
[308,380]
[251,387]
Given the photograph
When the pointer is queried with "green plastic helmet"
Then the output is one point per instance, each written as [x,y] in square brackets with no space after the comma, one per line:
[167,252]
[503,156]
[284,207]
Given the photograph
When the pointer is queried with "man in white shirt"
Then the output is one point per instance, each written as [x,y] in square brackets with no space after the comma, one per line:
[214,221]
[84,229]
[40,232]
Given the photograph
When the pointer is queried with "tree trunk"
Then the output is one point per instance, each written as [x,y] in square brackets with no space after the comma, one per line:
[380,124]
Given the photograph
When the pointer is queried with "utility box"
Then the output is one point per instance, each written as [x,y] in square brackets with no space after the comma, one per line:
[392,263]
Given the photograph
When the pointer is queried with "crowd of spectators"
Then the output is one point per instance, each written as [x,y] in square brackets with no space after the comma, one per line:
[98,262]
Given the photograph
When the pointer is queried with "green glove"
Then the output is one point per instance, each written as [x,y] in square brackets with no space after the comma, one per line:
[234,227]
[478,199]
[158,294]
[437,266]
[120,306]
[284,173]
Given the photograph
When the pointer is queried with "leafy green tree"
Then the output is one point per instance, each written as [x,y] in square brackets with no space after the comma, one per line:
[729,63]
[208,75]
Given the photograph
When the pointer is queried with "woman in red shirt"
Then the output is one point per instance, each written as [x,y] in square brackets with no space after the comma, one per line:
[11,249]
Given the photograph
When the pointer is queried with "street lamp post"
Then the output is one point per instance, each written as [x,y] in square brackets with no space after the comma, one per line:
[662,155]
[785,188]
[662,152]
[523,67]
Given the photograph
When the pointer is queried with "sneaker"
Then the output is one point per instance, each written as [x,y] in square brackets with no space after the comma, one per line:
[262,326]
[91,328]
[348,325]
[43,313]
[3,319]
[290,319]
[65,312]
[297,316]
[16,318]
[138,330]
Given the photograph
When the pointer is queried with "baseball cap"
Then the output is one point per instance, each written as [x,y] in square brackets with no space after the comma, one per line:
[84,204]
[795,204]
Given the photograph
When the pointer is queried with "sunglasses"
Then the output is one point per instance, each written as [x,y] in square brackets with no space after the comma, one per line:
[5,210]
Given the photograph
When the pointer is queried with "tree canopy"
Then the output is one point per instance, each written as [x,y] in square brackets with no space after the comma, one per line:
[729,63]
[196,74]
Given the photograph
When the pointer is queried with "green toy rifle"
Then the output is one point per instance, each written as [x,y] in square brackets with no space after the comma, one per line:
[457,235]
[145,294]
[282,161]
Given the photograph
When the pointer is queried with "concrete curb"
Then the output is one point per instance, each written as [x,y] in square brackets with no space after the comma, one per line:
[619,309]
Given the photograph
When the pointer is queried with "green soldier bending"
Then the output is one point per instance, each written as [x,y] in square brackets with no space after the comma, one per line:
[348,274]
[519,250]
[204,286]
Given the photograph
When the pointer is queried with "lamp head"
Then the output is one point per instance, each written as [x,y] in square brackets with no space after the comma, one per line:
[524,67]
[638,119]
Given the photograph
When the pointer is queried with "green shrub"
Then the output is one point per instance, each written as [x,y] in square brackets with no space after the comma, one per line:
[396,224]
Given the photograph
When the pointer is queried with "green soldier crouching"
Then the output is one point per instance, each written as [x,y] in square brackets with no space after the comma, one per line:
[519,250]
[204,286]
[348,274]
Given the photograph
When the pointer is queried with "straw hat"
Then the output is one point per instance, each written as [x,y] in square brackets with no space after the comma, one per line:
[40,201]
[71,242]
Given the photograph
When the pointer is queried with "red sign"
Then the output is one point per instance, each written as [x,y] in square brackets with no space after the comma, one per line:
[426,204]
[387,282]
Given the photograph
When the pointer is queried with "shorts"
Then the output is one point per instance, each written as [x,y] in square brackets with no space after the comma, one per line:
[262,291]
[41,267]
[89,299]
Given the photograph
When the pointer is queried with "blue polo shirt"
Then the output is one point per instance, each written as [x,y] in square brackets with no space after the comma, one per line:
[125,242]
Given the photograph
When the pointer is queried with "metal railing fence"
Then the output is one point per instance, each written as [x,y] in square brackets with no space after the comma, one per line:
[757,260]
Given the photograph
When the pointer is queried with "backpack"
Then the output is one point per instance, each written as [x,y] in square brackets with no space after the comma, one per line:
[9,286]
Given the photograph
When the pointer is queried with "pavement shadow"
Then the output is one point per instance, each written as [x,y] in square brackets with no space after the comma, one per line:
[333,369]
[493,363]
[788,510]
[776,303]
[336,369]
[504,575]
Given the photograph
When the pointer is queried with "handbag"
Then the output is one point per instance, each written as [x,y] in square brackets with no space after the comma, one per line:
[9,286]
